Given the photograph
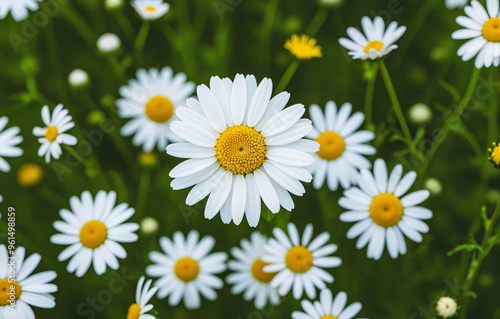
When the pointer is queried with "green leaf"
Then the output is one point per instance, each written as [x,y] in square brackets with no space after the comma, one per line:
[459,248]
[450,89]
[472,294]
[268,215]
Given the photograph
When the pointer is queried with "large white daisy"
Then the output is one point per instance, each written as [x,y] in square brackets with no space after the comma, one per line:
[241,146]
[328,308]
[248,275]
[150,9]
[299,263]
[187,269]
[9,139]
[151,100]
[17,8]
[92,231]
[341,150]
[29,290]
[376,42]
[381,212]
[483,28]
[143,295]
[53,135]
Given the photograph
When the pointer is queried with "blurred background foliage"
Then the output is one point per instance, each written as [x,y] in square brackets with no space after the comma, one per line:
[224,37]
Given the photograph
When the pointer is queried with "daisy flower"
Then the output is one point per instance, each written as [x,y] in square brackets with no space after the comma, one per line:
[494,155]
[53,135]
[93,230]
[381,212]
[29,290]
[341,150]
[18,9]
[303,47]
[248,275]
[455,4]
[241,146]
[328,308]
[299,263]
[187,269]
[150,102]
[150,9]
[483,28]
[9,139]
[376,42]
[143,295]
[446,307]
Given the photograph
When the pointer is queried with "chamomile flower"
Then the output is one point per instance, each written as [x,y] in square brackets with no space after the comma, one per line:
[29,290]
[341,150]
[446,307]
[187,269]
[9,139]
[241,146]
[93,231]
[303,47]
[455,4]
[248,276]
[299,263]
[381,212]
[53,135]
[328,308]
[150,101]
[483,28]
[143,295]
[109,43]
[376,42]
[29,175]
[150,9]
[18,9]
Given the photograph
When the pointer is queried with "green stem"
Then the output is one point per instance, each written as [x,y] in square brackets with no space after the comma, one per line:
[266,32]
[287,76]
[370,89]
[125,24]
[451,120]
[140,41]
[477,261]
[142,193]
[395,104]
[81,26]
[493,109]
[51,196]
[317,22]
[120,73]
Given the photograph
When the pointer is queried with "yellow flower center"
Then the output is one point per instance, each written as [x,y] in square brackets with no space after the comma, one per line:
[9,292]
[259,274]
[495,155]
[299,259]
[134,311]
[241,149]
[386,210]
[331,146]
[159,109]
[377,45]
[29,175]
[151,9]
[51,133]
[328,317]
[93,234]
[491,30]
[303,47]
[186,269]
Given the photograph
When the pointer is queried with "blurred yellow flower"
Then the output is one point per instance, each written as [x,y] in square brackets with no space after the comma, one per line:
[495,155]
[148,159]
[29,175]
[303,47]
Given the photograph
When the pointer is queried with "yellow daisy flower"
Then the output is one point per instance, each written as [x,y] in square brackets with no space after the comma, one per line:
[303,47]
[495,155]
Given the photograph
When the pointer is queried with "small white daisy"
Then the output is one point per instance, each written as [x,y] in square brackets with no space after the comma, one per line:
[378,41]
[446,307]
[150,9]
[143,295]
[151,100]
[53,135]
[455,4]
[29,290]
[242,146]
[483,28]
[299,263]
[9,139]
[93,230]
[187,269]
[328,308]
[18,8]
[248,275]
[341,149]
[381,214]
[109,43]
